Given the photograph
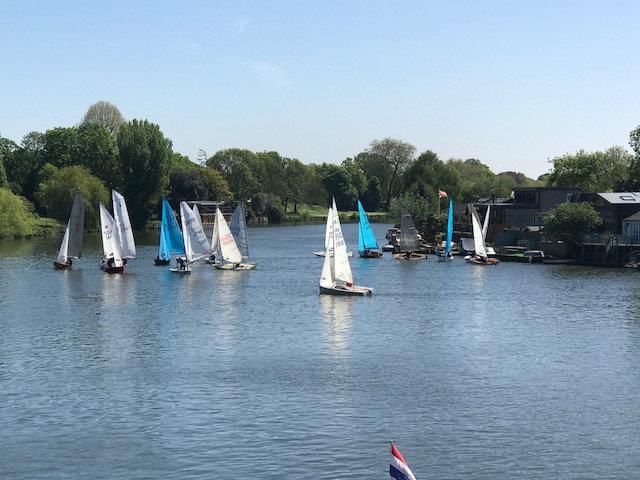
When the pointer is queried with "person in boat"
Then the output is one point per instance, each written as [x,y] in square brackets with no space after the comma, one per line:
[110,262]
[407,255]
[212,258]
[69,261]
[124,262]
[237,265]
[182,264]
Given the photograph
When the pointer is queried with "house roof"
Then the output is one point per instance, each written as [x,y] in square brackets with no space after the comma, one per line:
[633,218]
[621,198]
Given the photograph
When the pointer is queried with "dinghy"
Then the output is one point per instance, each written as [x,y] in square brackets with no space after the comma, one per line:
[447,256]
[123,230]
[409,242]
[112,261]
[171,241]
[485,227]
[480,255]
[367,243]
[196,245]
[336,277]
[71,246]
[326,238]
[228,255]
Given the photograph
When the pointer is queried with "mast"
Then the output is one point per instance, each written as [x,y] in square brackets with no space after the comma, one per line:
[447,248]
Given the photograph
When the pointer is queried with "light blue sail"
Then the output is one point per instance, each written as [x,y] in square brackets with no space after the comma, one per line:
[171,241]
[366,239]
[447,247]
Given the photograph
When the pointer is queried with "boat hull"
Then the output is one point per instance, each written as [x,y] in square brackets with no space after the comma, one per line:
[412,256]
[114,269]
[159,262]
[344,291]
[61,266]
[371,254]
[180,270]
[488,261]
[321,254]
[233,266]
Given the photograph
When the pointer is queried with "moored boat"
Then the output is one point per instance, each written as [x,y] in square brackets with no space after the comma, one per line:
[409,247]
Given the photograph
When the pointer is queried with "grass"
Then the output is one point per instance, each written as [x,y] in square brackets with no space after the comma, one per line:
[318,214]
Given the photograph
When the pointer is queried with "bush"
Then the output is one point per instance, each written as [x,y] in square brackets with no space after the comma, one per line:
[55,194]
[570,221]
[17,218]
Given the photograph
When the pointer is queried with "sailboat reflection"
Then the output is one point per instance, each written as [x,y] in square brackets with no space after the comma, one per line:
[338,319]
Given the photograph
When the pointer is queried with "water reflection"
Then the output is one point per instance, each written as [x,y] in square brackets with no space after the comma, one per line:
[338,319]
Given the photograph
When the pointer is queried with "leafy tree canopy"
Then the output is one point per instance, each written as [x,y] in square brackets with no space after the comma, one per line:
[570,221]
[105,115]
[17,218]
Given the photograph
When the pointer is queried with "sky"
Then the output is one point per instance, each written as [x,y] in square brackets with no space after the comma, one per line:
[510,83]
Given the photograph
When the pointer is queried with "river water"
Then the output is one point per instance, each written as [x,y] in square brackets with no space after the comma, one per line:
[510,371]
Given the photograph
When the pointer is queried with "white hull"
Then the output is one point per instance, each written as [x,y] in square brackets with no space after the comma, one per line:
[180,270]
[233,266]
[321,254]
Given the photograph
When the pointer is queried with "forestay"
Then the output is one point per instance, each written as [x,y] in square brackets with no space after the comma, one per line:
[227,246]
[238,228]
[110,244]
[124,232]
[366,238]
[196,245]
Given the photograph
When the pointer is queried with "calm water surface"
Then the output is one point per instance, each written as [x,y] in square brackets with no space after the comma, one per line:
[506,372]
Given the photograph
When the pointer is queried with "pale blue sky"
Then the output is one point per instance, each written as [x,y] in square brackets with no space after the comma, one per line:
[511,83]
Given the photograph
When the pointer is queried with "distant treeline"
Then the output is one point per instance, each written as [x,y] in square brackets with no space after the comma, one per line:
[41,174]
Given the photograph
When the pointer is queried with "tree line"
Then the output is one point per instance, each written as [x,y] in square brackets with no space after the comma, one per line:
[104,151]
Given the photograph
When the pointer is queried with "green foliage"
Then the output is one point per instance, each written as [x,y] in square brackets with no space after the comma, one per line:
[240,169]
[591,171]
[295,174]
[265,205]
[7,149]
[24,163]
[397,154]
[145,155]
[570,221]
[181,162]
[201,183]
[477,181]
[56,193]
[372,198]
[428,174]
[419,207]
[60,147]
[337,182]
[17,218]
[105,115]
[97,150]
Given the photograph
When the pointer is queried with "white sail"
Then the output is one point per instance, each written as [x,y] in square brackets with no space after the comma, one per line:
[485,226]
[196,212]
[110,244]
[238,227]
[124,232]
[341,268]
[215,240]
[326,277]
[76,227]
[64,247]
[478,241]
[196,245]
[227,246]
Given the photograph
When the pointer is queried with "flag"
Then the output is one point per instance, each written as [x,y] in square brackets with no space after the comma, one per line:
[398,469]
[442,194]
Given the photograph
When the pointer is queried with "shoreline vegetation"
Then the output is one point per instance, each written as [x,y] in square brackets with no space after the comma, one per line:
[40,175]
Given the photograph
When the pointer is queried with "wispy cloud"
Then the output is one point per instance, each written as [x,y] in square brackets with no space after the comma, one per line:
[270,73]
[240,26]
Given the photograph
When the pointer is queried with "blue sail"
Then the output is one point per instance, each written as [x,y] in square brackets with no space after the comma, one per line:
[171,241]
[447,247]
[366,238]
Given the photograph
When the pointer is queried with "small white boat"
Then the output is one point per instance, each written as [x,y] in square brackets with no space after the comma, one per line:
[112,258]
[336,277]
[480,257]
[321,253]
[196,245]
[227,253]
[71,246]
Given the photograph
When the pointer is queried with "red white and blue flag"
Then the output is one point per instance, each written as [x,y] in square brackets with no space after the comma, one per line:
[442,194]
[399,469]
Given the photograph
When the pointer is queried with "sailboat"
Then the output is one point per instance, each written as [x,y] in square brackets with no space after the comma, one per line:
[171,241]
[124,232]
[196,245]
[367,243]
[336,277]
[449,240]
[321,253]
[409,242]
[71,246]
[228,256]
[112,260]
[485,228]
[480,257]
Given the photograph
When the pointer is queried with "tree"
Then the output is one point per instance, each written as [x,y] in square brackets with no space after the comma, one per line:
[23,165]
[428,174]
[476,180]
[337,182]
[56,193]
[7,149]
[182,162]
[294,173]
[98,151]
[397,154]
[241,170]
[591,171]
[17,218]
[372,198]
[145,155]
[202,183]
[60,146]
[106,115]
[272,172]
[570,221]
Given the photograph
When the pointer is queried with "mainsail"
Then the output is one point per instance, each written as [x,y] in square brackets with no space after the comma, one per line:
[327,275]
[478,241]
[110,244]
[76,227]
[196,245]
[171,241]
[238,227]
[449,240]
[409,240]
[366,238]
[124,232]
[227,246]
[341,269]
[64,246]
[485,227]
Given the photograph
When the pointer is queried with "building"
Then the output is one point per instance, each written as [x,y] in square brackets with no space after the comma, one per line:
[631,228]
[527,207]
[614,207]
